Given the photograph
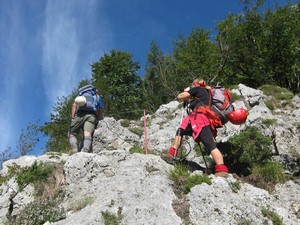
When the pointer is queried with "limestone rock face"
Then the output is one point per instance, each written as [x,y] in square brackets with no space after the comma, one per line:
[137,188]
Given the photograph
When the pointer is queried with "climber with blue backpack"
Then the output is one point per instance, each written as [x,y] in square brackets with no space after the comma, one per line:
[201,123]
[87,110]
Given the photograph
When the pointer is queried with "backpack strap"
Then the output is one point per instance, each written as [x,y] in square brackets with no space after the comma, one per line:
[227,100]
[209,91]
[202,105]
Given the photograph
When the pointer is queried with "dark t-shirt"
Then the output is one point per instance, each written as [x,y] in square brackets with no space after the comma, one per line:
[199,96]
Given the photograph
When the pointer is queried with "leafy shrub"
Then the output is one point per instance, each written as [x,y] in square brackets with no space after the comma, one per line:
[281,97]
[125,123]
[283,94]
[33,174]
[193,181]
[270,172]
[277,92]
[82,203]
[179,173]
[244,222]
[288,103]
[2,179]
[232,86]
[235,186]
[272,216]
[47,180]
[235,97]
[110,219]
[266,176]
[270,104]
[137,149]
[53,186]
[12,171]
[183,180]
[246,149]
[267,89]
[39,212]
[269,122]
[137,130]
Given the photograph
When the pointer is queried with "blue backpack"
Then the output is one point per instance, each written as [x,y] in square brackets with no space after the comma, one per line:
[92,99]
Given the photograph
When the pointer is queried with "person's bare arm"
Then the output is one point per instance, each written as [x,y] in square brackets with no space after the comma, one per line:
[73,110]
[183,96]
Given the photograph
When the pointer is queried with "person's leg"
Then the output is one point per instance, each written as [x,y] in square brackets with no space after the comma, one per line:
[73,143]
[217,156]
[87,141]
[206,137]
[173,150]
[75,126]
[177,142]
[89,127]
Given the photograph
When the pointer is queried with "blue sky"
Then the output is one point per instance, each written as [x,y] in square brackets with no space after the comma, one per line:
[47,46]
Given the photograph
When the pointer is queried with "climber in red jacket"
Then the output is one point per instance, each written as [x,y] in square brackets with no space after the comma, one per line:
[197,125]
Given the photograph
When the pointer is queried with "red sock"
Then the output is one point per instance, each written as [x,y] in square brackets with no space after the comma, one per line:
[173,151]
[221,168]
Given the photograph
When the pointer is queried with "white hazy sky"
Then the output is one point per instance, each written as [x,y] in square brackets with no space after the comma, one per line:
[47,46]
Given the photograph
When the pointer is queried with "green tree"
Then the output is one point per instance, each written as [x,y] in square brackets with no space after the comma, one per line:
[115,75]
[262,47]
[158,88]
[26,143]
[195,56]
[241,44]
[57,129]
[28,139]
[282,41]
[5,155]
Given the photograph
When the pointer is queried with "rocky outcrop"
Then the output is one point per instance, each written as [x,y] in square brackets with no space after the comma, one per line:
[136,187]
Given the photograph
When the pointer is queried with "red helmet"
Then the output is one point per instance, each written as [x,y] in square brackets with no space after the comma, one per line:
[238,116]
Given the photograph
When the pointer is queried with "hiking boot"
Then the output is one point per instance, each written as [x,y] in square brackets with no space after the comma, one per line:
[167,157]
[74,149]
[85,149]
[73,143]
[221,174]
[221,170]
